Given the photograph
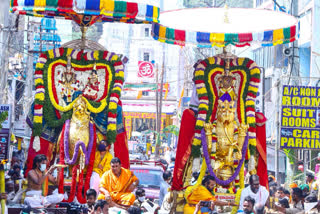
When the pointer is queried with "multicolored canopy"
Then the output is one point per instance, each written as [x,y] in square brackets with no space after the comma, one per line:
[207,27]
[87,12]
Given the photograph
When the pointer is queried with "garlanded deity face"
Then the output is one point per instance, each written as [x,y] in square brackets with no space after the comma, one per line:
[226,111]
[80,106]
[69,76]
[226,81]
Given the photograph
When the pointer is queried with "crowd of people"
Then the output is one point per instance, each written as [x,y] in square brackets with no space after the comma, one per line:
[116,190]
[257,199]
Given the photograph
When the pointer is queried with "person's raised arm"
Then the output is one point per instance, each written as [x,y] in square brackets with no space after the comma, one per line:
[39,179]
[224,203]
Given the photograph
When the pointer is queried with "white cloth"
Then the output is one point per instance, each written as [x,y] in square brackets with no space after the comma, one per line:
[35,199]
[166,205]
[95,182]
[164,186]
[260,197]
[149,206]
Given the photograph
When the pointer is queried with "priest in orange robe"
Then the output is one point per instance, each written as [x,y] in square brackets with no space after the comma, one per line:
[117,184]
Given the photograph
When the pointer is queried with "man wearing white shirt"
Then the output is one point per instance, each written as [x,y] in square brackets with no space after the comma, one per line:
[259,193]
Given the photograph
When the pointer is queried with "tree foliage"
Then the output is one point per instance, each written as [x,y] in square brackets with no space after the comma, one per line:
[3,117]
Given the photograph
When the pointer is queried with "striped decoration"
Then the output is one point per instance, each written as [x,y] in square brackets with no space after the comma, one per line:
[87,12]
[208,96]
[44,108]
[207,40]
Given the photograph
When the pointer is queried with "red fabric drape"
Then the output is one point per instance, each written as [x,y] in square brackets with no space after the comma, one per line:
[121,149]
[46,148]
[262,170]
[187,130]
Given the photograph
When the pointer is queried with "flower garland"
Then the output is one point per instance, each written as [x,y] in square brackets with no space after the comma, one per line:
[39,96]
[86,186]
[207,93]
[61,173]
[207,158]
[237,201]
[100,107]
[87,152]
[45,105]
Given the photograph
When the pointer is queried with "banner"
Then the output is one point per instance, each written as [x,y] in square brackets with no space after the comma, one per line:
[7,108]
[145,69]
[5,132]
[300,117]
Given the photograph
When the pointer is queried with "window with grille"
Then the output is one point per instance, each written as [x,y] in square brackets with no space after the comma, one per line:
[146,32]
[146,56]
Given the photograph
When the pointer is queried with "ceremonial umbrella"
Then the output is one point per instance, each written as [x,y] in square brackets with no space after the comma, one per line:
[87,12]
[207,27]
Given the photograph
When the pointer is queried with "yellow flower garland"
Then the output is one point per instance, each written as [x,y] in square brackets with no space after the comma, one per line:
[103,102]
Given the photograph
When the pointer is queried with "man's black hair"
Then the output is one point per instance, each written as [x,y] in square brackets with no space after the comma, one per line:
[92,192]
[280,189]
[166,175]
[38,159]
[115,160]
[311,198]
[286,192]
[250,200]
[16,166]
[101,204]
[207,179]
[253,177]
[140,191]
[173,159]
[297,191]
[134,210]
[310,175]
[284,202]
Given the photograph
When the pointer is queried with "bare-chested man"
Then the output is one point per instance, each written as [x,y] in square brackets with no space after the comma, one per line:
[36,177]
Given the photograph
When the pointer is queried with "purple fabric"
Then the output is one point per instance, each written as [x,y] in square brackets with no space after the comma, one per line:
[207,158]
[87,153]
[226,96]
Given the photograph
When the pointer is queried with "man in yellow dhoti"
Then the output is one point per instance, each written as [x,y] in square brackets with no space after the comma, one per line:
[117,184]
[101,165]
[202,193]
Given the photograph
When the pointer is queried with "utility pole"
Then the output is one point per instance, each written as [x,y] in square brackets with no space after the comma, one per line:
[159,108]
[6,42]
[29,76]
[276,156]
[294,66]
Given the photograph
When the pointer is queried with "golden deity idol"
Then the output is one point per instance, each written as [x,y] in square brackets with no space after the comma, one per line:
[229,144]
[79,127]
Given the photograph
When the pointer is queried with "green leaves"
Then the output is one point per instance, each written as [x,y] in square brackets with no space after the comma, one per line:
[3,117]
[290,154]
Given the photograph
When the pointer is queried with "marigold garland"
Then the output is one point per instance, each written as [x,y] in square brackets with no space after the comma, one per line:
[74,185]
[207,96]
[45,105]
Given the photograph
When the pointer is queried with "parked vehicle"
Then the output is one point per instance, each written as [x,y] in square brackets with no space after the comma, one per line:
[149,174]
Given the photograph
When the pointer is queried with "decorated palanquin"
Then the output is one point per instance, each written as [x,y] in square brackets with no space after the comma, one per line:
[218,131]
[77,103]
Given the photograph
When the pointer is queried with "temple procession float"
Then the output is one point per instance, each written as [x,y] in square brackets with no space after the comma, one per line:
[78,87]
[221,132]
